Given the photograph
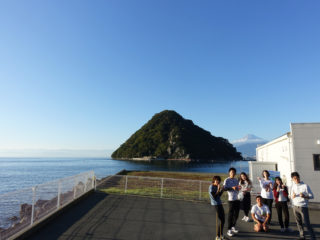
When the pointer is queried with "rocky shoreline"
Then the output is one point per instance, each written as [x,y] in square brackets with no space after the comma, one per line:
[188,160]
[151,158]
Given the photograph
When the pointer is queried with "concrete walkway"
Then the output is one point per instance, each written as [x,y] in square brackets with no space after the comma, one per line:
[102,216]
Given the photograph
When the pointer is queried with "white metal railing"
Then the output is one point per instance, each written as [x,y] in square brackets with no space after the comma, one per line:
[22,209]
[156,187]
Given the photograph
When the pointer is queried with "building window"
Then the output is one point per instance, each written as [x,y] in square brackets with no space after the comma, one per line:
[316,162]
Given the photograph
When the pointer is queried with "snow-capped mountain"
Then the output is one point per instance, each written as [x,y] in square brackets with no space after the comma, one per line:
[249,138]
[248,144]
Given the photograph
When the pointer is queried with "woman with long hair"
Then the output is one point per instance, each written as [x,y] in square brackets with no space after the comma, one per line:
[280,192]
[266,185]
[244,195]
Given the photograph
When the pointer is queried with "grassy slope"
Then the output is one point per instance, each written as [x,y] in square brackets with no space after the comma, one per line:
[171,189]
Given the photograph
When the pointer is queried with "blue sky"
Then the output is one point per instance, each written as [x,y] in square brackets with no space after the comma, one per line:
[88,74]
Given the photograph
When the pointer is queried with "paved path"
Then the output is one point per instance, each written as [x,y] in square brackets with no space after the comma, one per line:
[102,216]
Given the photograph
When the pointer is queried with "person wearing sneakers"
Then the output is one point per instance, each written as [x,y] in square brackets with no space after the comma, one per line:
[215,192]
[280,193]
[266,185]
[300,194]
[231,184]
[244,195]
[260,214]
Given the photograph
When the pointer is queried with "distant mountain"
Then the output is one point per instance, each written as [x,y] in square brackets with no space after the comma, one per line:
[169,136]
[248,144]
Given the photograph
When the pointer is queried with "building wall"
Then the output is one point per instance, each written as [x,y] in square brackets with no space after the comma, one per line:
[279,151]
[304,137]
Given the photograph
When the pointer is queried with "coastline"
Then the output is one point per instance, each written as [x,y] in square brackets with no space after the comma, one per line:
[187,160]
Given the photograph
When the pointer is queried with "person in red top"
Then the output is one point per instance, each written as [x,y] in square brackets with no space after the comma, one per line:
[280,193]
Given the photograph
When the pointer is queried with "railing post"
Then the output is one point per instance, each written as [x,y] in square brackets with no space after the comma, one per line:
[161,188]
[85,185]
[199,190]
[59,193]
[74,188]
[126,185]
[33,203]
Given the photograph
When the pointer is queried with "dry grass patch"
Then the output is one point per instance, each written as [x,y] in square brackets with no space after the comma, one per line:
[172,185]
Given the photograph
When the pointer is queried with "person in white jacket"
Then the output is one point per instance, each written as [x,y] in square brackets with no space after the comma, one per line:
[266,185]
[300,194]
[231,184]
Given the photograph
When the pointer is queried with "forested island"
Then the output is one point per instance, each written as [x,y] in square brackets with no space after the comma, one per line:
[168,136]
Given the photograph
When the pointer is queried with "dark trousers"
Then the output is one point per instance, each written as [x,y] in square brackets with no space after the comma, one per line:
[283,207]
[234,208]
[245,204]
[302,215]
[220,213]
[268,202]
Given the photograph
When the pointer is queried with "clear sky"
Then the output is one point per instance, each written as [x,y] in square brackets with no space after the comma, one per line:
[88,74]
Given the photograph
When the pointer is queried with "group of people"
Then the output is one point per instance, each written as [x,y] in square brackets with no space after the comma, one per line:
[239,197]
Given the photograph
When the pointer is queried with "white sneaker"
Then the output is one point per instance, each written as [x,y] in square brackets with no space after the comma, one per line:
[244,218]
[234,230]
[247,219]
[218,238]
[229,233]
[222,237]
[282,230]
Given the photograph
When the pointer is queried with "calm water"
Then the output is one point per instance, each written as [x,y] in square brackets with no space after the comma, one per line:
[18,173]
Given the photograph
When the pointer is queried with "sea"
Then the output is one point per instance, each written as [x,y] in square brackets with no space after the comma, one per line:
[19,173]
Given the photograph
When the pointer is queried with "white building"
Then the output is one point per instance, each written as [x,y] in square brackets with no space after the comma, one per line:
[297,150]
